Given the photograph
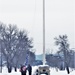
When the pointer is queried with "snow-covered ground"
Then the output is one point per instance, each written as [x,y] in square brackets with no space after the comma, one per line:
[52,72]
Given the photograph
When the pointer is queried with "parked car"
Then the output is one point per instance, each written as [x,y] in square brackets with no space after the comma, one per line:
[42,69]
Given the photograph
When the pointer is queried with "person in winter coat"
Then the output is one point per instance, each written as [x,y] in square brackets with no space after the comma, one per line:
[23,70]
[29,68]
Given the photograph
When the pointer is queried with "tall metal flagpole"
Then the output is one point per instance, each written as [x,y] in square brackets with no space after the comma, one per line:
[43,32]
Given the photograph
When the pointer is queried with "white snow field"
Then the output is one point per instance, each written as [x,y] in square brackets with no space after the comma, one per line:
[52,72]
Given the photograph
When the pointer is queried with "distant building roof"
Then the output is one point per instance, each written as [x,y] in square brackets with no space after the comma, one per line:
[39,57]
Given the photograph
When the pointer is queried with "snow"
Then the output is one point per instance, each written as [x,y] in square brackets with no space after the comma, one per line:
[64,72]
[52,72]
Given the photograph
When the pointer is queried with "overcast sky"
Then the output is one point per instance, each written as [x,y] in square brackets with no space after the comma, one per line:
[27,14]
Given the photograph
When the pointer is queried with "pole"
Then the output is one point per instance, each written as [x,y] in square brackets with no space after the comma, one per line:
[43,32]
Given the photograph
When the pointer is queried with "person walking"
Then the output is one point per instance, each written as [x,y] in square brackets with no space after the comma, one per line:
[23,70]
[29,68]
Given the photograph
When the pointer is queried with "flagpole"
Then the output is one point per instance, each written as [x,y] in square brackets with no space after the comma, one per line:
[43,32]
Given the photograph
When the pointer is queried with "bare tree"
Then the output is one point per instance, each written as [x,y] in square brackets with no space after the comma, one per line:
[24,44]
[8,38]
[62,41]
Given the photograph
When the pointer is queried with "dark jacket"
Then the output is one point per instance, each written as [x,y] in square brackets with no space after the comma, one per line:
[29,68]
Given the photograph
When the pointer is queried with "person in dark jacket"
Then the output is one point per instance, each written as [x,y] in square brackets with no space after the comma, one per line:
[23,70]
[29,68]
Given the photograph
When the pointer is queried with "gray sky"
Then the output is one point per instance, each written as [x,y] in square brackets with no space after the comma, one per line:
[27,14]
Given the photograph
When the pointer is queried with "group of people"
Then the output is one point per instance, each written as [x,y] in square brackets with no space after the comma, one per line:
[24,69]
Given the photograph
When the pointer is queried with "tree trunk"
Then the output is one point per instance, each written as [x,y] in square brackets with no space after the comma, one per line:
[9,67]
[67,68]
